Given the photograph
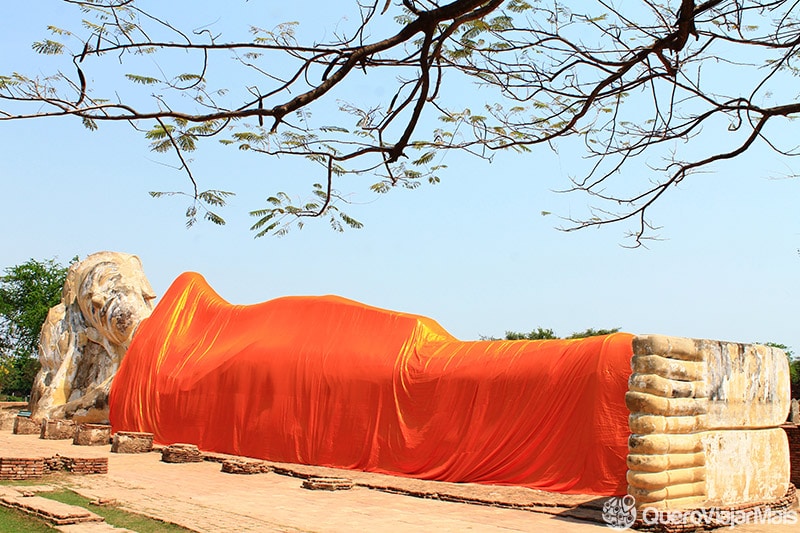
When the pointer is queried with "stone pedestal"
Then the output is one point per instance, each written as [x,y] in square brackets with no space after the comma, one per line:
[181,453]
[132,442]
[58,429]
[92,435]
[24,425]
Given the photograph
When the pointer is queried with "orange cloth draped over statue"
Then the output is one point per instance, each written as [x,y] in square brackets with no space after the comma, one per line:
[332,382]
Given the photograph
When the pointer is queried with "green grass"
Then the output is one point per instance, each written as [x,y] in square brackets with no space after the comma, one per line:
[13,521]
[48,479]
[113,515]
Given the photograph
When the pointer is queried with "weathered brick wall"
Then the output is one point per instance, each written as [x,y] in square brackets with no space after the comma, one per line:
[21,468]
[29,468]
[85,465]
[793,432]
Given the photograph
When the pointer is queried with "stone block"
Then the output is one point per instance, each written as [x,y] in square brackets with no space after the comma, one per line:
[181,453]
[24,425]
[242,466]
[92,435]
[58,429]
[132,442]
[327,483]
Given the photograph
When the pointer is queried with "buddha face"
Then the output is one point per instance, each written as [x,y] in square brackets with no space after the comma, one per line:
[114,296]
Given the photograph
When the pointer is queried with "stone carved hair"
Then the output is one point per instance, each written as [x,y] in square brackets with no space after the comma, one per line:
[85,337]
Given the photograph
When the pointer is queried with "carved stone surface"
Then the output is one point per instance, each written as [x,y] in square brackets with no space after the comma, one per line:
[794,412]
[132,442]
[705,419]
[85,337]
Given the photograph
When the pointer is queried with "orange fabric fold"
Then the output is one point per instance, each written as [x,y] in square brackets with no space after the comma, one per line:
[332,382]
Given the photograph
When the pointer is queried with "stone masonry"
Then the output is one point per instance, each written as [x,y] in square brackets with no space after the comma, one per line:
[132,442]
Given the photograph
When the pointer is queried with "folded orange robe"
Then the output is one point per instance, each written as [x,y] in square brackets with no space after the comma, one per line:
[332,382]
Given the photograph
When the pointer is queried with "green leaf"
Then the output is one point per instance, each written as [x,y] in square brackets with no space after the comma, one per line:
[159,132]
[427,157]
[89,124]
[188,77]
[58,31]
[144,80]
[186,142]
[48,47]
[350,221]
[162,146]
[214,218]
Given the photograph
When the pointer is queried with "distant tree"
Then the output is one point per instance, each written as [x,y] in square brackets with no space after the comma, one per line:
[591,332]
[547,333]
[536,334]
[655,91]
[27,292]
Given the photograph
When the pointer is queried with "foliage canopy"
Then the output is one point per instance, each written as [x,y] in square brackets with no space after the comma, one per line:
[656,92]
[546,333]
[27,292]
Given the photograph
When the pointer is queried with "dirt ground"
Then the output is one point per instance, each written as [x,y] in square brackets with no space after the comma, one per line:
[201,497]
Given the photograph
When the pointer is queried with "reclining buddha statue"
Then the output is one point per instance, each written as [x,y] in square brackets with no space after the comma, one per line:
[669,422]
[326,381]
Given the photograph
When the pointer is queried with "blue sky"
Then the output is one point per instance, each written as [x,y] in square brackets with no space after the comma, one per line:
[473,252]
